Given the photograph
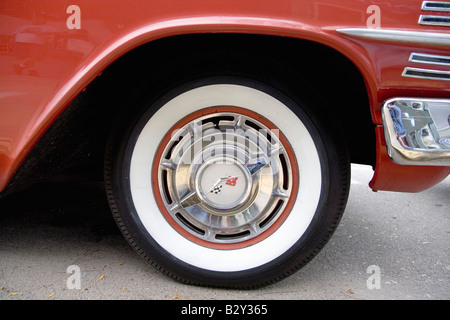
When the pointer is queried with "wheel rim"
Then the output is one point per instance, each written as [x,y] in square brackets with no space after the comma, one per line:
[225,177]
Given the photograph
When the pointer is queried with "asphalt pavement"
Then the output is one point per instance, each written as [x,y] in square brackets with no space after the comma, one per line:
[59,242]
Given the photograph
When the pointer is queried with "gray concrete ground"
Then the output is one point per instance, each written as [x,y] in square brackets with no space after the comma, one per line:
[388,246]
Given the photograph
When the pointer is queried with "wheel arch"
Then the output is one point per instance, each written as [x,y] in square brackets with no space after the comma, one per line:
[99,72]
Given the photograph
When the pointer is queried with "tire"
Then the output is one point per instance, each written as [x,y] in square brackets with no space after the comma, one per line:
[227,181]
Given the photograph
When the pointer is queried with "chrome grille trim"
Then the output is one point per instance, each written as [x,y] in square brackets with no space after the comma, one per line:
[429,59]
[426,74]
[442,6]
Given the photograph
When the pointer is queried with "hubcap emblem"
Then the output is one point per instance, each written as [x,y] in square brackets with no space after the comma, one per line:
[231,181]
[217,187]
[223,192]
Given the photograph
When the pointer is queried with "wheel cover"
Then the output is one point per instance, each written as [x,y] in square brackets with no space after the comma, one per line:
[224,177]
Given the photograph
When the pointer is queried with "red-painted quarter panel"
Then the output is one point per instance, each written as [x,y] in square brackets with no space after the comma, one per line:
[50,50]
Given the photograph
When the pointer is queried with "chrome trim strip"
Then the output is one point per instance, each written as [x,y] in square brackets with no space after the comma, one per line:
[426,74]
[429,59]
[428,20]
[392,35]
[417,131]
[442,6]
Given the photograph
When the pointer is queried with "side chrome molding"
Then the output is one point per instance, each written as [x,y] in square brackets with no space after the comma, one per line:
[426,74]
[432,20]
[392,35]
[430,59]
[441,6]
[435,19]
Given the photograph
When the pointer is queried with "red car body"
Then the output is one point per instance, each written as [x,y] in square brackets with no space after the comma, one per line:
[50,51]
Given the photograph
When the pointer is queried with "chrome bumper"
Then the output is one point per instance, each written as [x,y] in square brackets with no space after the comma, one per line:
[417,131]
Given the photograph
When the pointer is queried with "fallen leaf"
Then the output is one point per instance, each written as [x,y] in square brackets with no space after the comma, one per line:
[176,298]
[13,294]
[350,291]
[51,295]
[101,277]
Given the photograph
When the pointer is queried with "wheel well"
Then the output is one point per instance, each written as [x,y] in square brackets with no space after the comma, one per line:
[78,137]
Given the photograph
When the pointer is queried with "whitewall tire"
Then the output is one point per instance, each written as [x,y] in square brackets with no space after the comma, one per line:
[226,182]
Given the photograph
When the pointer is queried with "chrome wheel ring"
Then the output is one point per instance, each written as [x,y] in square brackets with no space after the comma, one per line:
[224,177]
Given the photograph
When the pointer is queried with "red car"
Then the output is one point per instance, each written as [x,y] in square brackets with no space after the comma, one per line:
[224,130]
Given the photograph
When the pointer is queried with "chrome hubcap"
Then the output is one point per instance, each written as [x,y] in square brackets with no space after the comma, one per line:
[224,177]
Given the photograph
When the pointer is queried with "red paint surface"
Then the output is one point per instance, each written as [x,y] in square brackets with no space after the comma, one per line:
[393,177]
[44,65]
